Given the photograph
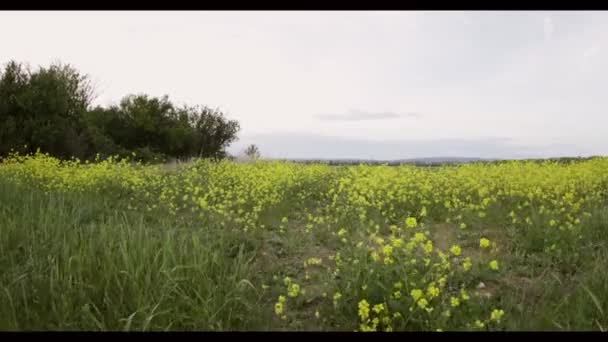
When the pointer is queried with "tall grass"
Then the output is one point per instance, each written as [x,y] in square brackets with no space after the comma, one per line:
[76,261]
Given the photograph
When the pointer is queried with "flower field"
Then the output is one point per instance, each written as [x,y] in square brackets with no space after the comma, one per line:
[115,245]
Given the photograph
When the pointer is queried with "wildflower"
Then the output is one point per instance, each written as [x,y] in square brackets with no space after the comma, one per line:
[397,294]
[484,243]
[464,295]
[278,308]
[363,309]
[293,290]
[410,222]
[337,297]
[342,232]
[428,247]
[466,264]
[463,225]
[378,308]
[365,328]
[432,291]
[494,265]
[422,303]
[416,294]
[314,261]
[454,301]
[455,250]
[387,250]
[479,324]
[398,285]
[419,237]
[496,315]
[442,281]
[397,243]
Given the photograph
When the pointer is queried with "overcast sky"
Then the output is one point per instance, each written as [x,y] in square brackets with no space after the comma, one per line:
[381,85]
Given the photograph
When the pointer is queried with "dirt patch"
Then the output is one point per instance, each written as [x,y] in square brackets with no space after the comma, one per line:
[444,235]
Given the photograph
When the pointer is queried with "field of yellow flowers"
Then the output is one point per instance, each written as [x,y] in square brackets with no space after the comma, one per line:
[116,245]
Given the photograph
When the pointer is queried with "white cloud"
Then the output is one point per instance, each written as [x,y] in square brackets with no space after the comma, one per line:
[588,56]
[472,74]
[548,27]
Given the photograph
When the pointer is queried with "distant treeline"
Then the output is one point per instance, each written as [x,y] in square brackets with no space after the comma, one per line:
[424,163]
[51,109]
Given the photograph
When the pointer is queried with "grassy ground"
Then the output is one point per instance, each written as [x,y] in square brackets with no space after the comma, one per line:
[74,260]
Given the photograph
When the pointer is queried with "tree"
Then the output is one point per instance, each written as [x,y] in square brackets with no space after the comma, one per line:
[252,151]
[44,109]
[154,128]
[51,109]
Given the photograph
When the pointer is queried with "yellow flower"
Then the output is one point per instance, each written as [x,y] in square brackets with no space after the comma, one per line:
[363,309]
[314,261]
[464,295]
[428,247]
[494,265]
[282,299]
[416,293]
[410,222]
[342,232]
[467,264]
[397,243]
[454,301]
[337,297]
[397,294]
[365,328]
[293,290]
[419,237]
[496,315]
[484,243]
[422,303]
[455,250]
[387,250]
[432,291]
[378,308]
[479,324]
[463,225]
[278,308]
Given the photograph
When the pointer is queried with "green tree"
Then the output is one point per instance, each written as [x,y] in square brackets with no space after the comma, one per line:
[44,109]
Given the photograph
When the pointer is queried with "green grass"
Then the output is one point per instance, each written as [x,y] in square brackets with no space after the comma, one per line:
[80,261]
